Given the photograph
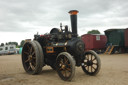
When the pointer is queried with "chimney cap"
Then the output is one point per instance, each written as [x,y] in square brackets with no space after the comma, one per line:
[73,12]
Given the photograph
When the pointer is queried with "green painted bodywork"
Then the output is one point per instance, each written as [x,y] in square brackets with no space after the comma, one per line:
[115,36]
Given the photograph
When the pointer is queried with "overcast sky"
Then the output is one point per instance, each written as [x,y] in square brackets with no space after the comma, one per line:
[21,19]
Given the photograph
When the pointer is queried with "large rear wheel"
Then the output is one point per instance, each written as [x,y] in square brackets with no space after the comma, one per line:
[65,66]
[32,57]
[91,64]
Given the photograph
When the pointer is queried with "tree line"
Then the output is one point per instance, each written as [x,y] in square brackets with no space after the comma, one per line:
[14,43]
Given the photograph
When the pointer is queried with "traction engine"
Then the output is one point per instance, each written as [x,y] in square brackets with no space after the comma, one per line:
[62,50]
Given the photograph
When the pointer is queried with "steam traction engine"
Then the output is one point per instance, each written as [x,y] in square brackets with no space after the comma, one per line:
[62,50]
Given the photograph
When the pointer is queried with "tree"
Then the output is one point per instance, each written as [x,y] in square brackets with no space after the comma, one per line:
[22,43]
[2,44]
[6,43]
[13,43]
[9,43]
[93,32]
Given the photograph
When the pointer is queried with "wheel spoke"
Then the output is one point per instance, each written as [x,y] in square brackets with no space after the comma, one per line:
[91,57]
[94,59]
[85,63]
[95,63]
[61,62]
[88,68]
[33,68]
[85,66]
[68,69]
[66,60]
[28,68]
[60,69]
[28,48]
[26,53]
[62,72]
[65,73]
[94,68]
[88,57]
[69,64]
[27,60]
[34,64]
[91,68]
[33,53]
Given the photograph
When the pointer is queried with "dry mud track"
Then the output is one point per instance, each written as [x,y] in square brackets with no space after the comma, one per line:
[114,71]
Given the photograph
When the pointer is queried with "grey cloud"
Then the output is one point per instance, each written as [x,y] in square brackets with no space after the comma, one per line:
[27,15]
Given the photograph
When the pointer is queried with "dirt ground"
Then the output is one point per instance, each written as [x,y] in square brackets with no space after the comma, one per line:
[114,71]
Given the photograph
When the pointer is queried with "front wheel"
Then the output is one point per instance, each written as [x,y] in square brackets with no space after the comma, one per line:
[32,57]
[65,65]
[91,64]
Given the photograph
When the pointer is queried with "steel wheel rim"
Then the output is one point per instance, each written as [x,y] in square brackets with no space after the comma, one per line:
[91,63]
[64,66]
[29,57]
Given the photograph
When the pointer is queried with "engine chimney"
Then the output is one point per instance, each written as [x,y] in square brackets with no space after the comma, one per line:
[73,16]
